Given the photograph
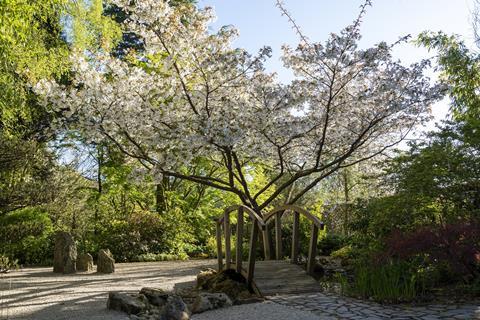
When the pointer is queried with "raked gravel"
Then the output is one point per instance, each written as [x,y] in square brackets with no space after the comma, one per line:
[256,311]
[39,294]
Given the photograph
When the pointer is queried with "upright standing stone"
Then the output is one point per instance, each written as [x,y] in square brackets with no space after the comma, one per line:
[84,262]
[65,255]
[105,262]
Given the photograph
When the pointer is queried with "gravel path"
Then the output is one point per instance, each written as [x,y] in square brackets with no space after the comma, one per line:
[257,311]
[39,294]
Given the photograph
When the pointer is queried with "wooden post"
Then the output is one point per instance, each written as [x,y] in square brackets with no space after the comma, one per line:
[219,247]
[312,249]
[295,237]
[266,243]
[278,235]
[251,252]
[228,251]
[238,252]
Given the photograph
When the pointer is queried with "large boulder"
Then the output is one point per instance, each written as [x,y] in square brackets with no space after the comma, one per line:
[209,301]
[105,261]
[85,262]
[65,253]
[175,309]
[124,302]
[156,297]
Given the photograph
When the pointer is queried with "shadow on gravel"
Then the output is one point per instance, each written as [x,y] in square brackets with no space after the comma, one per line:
[37,293]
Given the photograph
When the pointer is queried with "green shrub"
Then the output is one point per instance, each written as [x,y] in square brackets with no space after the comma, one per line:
[27,236]
[344,253]
[195,250]
[329,243]
[7,264]
[142,233]
[150,257]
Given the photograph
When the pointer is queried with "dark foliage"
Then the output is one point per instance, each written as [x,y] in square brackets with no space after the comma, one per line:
[455,245]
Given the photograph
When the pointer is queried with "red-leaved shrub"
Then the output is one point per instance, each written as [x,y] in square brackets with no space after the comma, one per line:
[457,245]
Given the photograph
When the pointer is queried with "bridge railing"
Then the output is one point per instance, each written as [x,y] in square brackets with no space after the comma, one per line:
[260,222]
[243,212]
[317,225]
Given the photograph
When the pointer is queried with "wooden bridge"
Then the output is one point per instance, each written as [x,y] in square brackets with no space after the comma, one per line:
[270,276]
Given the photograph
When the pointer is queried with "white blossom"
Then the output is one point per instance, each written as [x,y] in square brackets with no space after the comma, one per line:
[195,96]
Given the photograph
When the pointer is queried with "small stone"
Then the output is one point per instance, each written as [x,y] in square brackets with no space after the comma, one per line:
[204,276]
[125,302]
[175,309]
[105,262]
[65,253]
[156,297]
[210,301]
[245,296]
[85,262]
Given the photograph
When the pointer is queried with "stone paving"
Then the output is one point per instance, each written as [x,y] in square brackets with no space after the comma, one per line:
[329,307]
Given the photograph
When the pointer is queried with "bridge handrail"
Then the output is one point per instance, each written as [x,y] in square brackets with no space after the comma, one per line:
[253,215]
[261,222]
[293,208]
[317,225]
[224,219]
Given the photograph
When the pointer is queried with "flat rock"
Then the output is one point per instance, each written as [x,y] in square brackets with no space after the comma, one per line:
[156,297]
[124,302]
[210,301]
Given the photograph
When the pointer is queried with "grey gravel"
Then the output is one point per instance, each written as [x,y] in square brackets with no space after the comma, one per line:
[39,294]
[256,311]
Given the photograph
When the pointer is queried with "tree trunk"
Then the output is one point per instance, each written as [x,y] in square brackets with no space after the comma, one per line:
[347,201]
[161,196]
[99,189]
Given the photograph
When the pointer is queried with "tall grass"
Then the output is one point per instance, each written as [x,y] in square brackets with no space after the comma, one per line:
[392,282]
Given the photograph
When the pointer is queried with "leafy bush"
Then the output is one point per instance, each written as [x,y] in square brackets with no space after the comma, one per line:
[455,245]
[7,264]
[329,243]
[150,257]
[27,236]
[344,253]
[145,232]
[376,218]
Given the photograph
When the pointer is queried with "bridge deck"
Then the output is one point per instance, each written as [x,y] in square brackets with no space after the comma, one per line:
[281,277]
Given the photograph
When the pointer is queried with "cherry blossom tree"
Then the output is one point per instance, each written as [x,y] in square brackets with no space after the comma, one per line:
[191,95]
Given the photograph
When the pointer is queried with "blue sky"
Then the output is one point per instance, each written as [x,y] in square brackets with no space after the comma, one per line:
[260,23]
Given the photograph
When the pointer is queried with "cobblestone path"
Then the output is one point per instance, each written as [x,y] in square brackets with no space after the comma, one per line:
[329,307]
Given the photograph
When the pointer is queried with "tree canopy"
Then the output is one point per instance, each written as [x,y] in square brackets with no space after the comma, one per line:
[191,95]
